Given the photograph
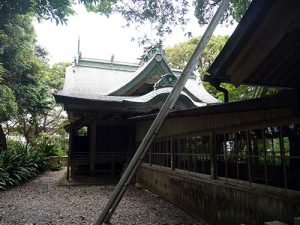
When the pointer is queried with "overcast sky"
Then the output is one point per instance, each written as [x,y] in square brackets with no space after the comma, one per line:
[100,37]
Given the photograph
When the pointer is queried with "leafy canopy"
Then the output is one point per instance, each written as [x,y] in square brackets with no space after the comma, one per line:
[162,14]
[165,14]
[204,10]
[50,9]
[21,67]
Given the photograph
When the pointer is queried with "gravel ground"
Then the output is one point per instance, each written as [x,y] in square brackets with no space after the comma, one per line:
[42,201]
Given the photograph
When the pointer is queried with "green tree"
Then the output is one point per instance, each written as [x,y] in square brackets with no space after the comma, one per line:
[52,120]
[165,14]
[23,91]
[204,10]
[49,10]
[179,54]
[8,109]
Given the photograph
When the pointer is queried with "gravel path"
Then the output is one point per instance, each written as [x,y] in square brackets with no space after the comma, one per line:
[42,201]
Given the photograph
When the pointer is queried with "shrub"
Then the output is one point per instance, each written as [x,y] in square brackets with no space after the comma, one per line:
[20,163]
[55,166]
[50,145]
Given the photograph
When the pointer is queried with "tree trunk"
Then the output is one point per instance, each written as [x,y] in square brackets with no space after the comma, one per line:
[3,144]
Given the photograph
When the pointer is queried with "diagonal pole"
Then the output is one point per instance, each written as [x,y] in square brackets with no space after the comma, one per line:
[159,120]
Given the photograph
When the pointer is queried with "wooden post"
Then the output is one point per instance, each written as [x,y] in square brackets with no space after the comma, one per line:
[93,140]
[236,149]
[249,155]
[265,156]
[70,153]
[172,154]
[225,155]
[213,160]
[282,157]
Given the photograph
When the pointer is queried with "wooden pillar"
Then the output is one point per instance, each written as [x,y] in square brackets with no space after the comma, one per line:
[282,157]
[71,153]
[213,160]
[93,142]
[249,157]
[172,154]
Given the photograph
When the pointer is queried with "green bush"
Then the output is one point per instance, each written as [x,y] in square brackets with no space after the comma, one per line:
[51,145]
[55,166]
[20,163]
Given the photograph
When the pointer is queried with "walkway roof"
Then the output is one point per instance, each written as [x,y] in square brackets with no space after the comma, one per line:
[264,49]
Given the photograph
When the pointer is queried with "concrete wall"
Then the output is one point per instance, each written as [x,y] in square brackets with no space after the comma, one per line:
[219,203]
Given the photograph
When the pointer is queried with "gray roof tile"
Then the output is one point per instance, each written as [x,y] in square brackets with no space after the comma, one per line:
[95,80]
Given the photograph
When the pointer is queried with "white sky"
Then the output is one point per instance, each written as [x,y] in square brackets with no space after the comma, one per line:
[100,37]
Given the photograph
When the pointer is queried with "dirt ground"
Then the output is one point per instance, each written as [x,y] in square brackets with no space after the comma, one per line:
[43,201]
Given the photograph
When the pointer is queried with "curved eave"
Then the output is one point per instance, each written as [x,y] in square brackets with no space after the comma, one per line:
[143,104]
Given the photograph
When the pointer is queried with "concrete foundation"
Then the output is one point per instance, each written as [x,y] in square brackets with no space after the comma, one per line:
[219,202]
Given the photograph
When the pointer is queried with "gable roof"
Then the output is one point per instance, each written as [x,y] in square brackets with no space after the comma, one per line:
[264,49]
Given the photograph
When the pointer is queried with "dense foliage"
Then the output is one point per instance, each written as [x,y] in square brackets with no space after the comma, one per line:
[20,163]
[27,107]
[23,93]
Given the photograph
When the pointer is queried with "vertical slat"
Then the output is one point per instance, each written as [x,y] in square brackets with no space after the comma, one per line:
[189,154]
[225,155]
[172,154]
[249,157]
[202,153]
[265,156]
[282,157]
[178,153]
[237,156]
[213,160]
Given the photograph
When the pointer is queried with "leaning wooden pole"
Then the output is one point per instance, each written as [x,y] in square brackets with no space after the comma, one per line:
[159,120]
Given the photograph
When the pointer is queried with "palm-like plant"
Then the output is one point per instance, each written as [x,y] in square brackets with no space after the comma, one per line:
[20,163]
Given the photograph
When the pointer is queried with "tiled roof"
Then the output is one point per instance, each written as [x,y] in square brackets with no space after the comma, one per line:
[148,102]
[97,80]
[92,82]
[195,88]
